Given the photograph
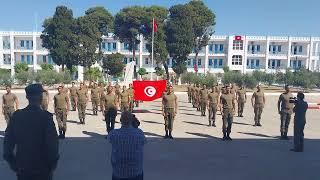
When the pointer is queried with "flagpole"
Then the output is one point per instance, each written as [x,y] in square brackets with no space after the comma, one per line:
[152,49]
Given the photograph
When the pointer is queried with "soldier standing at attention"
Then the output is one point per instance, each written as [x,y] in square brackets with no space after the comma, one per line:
[227,101]
[197,96]
[189,93]
[117,90]
[203,94]
[82,99]
[242,99]
[169,111]
[61,109]
[124,99]
[8,101]
[95,98]
[285,109]
[110,102]
[101,95]
[64,89]
[31,145]
[73,96]
[300,110]
[193,97]
[258,101]
[131,94]
[45,100]
[213,102]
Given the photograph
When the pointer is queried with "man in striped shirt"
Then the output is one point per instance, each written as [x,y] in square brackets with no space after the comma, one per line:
[127,150]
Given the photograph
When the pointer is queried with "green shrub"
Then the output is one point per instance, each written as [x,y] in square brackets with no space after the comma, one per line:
[142,71]
[21,67]
[24,77]
[249,81]
[46,67]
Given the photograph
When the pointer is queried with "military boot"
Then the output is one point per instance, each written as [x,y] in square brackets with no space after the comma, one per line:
[166,136]
[224,136]
[209,123]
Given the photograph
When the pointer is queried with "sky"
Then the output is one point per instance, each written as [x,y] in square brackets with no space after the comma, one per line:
[233,17]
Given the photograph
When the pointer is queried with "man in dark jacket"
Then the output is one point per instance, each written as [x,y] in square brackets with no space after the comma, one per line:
[31,140]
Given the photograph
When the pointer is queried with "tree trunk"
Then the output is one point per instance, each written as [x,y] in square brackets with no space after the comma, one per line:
[196,58]
[166,68]
[62,68]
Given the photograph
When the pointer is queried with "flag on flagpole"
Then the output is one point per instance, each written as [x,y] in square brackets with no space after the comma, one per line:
[155,26]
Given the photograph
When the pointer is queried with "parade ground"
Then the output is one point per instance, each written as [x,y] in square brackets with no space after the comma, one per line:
[196,153]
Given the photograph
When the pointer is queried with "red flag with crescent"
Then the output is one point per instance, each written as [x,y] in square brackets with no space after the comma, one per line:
[148,90]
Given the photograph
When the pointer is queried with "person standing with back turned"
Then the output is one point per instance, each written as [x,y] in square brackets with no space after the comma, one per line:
[31,144]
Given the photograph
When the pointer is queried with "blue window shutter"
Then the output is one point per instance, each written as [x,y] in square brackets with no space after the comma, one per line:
[249,47]
[299,63]
[220,62]
[210,47]
[279,48]
[199,62]
[258,48]
[210,62]
[279,63]
[257,63]
[300,48]
[216,48]
[103,45]
[221,48]
[114,46]
[248,62]
[269,48]
[22,58]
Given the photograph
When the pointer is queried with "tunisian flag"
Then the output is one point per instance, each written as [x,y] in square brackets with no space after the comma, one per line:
[148,90]
[155,26]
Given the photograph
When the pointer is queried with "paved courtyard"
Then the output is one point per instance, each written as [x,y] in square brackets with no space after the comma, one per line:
[197,151]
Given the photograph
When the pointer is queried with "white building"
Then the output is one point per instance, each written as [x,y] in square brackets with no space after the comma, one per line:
[242,53]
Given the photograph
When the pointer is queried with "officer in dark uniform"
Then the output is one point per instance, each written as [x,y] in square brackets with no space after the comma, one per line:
[31,142]
[285,109]
[300,110]
[169,110]
[227,101]
[8,101]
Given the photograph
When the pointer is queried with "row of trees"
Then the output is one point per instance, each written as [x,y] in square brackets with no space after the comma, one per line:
[300,78]
[181,29]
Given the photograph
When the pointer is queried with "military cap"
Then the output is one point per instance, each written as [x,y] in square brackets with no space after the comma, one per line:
[34,89]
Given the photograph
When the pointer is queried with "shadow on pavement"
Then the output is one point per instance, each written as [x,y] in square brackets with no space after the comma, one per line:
[257,134]
[207,158]
[195,123]
[240,123]
[152,122]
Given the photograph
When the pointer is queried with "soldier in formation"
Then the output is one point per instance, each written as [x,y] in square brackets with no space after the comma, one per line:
[213,102]
[61,109]
[241,99]
[197,98]
[189,93]
[73,96]
[169,111]
[203,100]
[258,101]
[193,95]
[285,109]
[82,99]
[95,98]
[101,95]
[45,100]
[10,104]
[124,99]
[110,102]
[227,102]
[131,94]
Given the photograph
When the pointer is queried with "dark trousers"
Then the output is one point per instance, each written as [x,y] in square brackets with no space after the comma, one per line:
[34,176]
[139,177]
[298,136]
[110,117]
[285,121]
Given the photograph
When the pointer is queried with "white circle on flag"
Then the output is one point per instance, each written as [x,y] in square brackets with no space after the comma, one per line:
[150,91]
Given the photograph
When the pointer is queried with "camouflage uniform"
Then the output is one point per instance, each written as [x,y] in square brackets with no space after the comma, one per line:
[213,98]
[241,94]
[110,111]
[73,97]
[8,101]
[285,113]
[227,100]
[203,96]
[60,109]
[95,100]
[82,96]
